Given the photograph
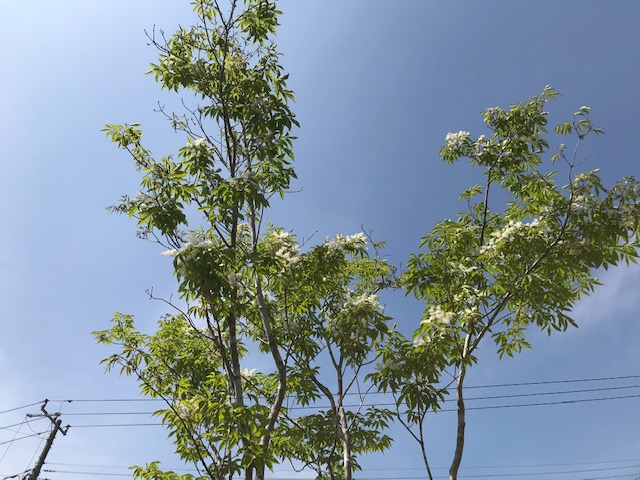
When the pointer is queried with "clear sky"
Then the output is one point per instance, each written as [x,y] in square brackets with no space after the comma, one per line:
[378,85]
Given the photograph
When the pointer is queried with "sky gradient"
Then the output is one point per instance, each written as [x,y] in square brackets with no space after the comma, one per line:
[378,86]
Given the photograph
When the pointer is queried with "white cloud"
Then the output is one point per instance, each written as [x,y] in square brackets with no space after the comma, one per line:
[618,295]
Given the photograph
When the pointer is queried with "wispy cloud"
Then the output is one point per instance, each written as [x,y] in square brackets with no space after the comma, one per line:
[618,295]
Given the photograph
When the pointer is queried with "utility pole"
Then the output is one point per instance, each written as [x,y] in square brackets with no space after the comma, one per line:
[57,422]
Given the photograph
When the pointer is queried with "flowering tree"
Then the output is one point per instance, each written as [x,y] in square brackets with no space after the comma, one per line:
[259,320]
[268,325]
[521,255]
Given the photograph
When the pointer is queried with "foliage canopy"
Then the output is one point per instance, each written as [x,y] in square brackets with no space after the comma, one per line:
[308,316]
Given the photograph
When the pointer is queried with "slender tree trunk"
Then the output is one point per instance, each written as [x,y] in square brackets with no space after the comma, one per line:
[346,443]
[457,456]
[345,434]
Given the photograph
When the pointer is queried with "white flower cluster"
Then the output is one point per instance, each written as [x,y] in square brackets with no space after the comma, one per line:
[150,200]
[364,302]
[290,254]
[242,180]
[464,269]
[493,115]
[194,240]
[579,204]
[512,229]
[437,316]
[454,140]
[287,248]
[581,177]
[357,241]
[481,144]
[356,313]
[169,63]
[247,374]
[419,341]
[183,408]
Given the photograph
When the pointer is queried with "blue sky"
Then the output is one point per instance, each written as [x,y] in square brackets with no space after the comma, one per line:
[378,85]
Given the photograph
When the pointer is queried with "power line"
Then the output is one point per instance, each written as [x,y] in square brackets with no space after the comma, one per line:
[548,382]
[13,439]
[396,468]
[537,394]
[412,477]
[470,387]
[7,477]
[88,473]
[320,407]
[118,425]
[493,397]
[22,438]
[6,427]
[20,408]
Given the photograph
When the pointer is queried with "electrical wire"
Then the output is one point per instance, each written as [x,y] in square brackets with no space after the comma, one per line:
[13,439]
[7,477]
[396,468]
[410,477]
[391,404]
[6,427]
[20,408]
[493,397]
[118,425]
[321,407]
[480,398]
[470,387]
[549,382]
[22,438]
[35,452]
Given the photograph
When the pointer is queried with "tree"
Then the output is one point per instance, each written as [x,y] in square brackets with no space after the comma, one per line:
[309,316]
[522,254]
[248,293]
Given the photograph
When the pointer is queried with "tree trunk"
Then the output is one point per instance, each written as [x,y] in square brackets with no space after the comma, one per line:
[346,443]
[457,456]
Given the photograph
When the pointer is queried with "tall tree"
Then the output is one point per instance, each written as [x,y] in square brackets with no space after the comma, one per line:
[268,327]
[522,254]
[247,293]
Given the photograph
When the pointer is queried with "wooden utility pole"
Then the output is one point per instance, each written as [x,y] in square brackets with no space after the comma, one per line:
[55,419]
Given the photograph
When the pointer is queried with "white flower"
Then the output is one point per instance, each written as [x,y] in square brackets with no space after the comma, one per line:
[438,316]
[419,342]
[285,247]
[289,253]
[579,204]
[364,301]
[493,115]
[196,240]
[183,408]
[455,140]
[199,142]
[357,241]
[282,235]
[247,374]
[464,269]
[152,199]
